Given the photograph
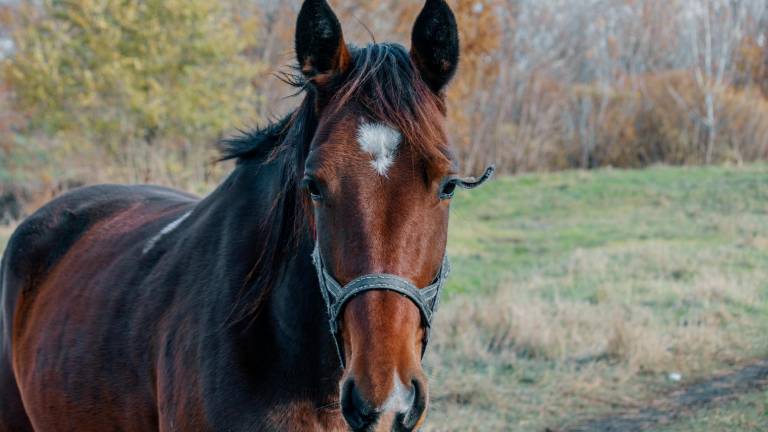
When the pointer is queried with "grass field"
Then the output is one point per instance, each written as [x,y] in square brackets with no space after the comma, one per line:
[580,294]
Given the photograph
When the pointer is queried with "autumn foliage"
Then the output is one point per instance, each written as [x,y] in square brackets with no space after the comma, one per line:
[144,89]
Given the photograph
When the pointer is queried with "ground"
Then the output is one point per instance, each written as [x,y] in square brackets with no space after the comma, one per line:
[581,295]
[582,300]
[750,413]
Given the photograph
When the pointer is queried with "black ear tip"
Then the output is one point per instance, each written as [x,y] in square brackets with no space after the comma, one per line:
[435,43]
[436,21]
[436,8]
[319,38]
[319,16]
[314,4]
[434,3]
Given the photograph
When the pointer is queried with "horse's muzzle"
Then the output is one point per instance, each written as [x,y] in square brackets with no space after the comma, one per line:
[362,416]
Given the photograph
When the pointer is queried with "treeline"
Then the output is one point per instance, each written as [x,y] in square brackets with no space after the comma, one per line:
[589,83]
[141,90]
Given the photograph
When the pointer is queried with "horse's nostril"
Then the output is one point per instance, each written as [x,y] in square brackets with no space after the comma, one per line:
[409,420]
[358,413]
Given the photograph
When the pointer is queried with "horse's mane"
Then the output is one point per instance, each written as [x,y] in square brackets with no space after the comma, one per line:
[384,82]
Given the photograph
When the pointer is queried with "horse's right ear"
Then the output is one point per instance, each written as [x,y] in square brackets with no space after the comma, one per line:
[320,47]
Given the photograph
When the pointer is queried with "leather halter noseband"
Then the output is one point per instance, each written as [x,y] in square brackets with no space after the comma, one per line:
[426,299]
[336,295]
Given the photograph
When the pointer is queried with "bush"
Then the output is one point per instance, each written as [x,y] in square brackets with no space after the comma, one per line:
[117,78]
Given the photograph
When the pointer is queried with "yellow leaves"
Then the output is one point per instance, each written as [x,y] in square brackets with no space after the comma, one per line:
[481,34]
[14,74]
[126,70]
[752,64]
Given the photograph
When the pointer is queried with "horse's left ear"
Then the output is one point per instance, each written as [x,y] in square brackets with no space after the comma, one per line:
[320,47]
[435,44]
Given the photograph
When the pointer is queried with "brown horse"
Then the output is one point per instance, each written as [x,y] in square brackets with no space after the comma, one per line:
[139,308]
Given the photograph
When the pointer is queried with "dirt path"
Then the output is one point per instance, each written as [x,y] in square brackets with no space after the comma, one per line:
[713,391]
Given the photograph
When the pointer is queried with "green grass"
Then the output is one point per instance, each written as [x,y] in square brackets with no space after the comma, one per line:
[518,225]
[576,294]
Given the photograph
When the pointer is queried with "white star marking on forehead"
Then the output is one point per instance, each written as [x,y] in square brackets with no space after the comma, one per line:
[380,141]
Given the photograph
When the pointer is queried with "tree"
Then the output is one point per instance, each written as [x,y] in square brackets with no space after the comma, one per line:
[121,74]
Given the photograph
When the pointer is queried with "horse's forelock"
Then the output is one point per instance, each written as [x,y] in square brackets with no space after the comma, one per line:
[384,81]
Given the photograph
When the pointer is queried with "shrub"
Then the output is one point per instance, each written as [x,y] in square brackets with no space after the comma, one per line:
[118,77]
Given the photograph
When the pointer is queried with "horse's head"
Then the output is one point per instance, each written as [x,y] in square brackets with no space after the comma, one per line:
[380,178]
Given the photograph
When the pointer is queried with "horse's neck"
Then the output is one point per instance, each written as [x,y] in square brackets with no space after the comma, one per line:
[289,316]
[300,324]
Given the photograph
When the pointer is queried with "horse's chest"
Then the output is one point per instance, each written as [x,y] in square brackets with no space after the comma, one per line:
[306,416]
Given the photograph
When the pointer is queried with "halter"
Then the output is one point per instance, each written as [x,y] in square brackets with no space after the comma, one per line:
[336,295]
[426,299]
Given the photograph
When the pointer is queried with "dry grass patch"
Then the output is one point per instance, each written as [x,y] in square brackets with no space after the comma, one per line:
[520,357]
[607,288]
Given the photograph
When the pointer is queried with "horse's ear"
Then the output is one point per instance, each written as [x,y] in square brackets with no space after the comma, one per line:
[320,48]
[435,44]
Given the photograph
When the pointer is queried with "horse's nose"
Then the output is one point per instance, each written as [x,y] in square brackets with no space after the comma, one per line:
[411,419]
[359,414]
[407,403]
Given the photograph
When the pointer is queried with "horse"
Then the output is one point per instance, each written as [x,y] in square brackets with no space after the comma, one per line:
[297,296]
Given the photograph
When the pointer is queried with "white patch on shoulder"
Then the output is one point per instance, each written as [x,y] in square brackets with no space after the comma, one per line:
[168,228]
[380,141]
[400,399]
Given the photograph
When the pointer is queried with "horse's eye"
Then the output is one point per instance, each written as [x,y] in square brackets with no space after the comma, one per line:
[313,188]
[447,190]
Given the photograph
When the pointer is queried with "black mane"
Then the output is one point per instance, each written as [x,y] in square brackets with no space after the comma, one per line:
[255,143]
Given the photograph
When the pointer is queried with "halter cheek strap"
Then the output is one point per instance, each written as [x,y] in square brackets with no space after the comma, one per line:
[336,296]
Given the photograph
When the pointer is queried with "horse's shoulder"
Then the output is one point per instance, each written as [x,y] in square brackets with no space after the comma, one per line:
[45,236]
